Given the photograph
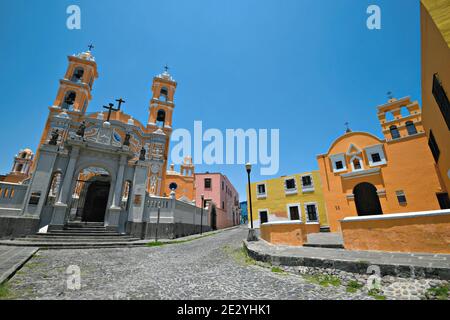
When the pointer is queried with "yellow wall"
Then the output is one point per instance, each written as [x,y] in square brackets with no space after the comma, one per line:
[276,201]
[436,59]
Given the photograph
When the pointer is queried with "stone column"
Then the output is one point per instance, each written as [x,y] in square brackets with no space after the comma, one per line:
[114,211]
[60,207]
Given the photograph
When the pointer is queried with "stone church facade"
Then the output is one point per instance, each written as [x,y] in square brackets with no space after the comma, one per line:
[103,167]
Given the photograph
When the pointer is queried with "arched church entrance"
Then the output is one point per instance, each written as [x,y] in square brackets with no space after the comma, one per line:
[96,201]
[91,195]
[366,199]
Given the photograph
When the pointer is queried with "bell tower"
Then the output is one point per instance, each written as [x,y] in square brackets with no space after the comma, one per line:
[75,88]
[161,104]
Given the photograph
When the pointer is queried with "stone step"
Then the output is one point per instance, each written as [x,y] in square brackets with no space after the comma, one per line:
[85,229]
[324,245]
[72,245]
[77,239]
[84,233]
[77,235]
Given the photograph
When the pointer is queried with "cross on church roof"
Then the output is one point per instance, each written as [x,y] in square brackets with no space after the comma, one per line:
[389,94]
[347,130]
[91,46]
[166,67]
[110,108]
[120,101]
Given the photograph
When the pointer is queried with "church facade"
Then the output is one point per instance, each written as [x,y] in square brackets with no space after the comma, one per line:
[103,167]
[363,175]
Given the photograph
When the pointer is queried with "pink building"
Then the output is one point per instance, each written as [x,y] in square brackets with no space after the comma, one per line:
[221,198]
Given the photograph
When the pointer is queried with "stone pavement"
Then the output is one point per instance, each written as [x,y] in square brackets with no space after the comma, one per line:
[418,265]
[212,267]
[12,258]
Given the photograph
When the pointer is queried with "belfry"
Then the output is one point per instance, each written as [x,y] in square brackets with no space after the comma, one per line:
[103,167]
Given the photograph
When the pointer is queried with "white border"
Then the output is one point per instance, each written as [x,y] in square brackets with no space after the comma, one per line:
[399,215]
[289,205]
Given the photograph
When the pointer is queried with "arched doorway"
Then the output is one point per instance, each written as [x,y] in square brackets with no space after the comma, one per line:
[366,199]
[91,195]
[96,201]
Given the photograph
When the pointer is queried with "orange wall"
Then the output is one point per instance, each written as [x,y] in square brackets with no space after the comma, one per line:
[410,167]
[186,186]
[435,59]
[427,233]
[292,234]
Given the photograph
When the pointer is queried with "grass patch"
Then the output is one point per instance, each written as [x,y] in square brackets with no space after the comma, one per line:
[277,270]
[240,255]
[353,286]
[324,280]
[163,243]
[376,294]
[441,292]
[5,292]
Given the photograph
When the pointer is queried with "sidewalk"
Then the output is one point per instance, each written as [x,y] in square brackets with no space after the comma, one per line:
[12,259]
[418,265]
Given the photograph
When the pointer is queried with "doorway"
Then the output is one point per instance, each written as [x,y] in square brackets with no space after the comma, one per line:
[366,199]
[96,201]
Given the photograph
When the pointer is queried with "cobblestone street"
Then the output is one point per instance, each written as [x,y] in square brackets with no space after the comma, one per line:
[208,268]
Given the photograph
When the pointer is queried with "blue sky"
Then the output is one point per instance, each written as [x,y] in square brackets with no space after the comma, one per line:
[303,66]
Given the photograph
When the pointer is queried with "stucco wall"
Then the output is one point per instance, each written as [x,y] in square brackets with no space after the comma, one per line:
[413,232]
[289,233]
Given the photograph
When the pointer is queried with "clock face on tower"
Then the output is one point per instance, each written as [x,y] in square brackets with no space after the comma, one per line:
[154,168]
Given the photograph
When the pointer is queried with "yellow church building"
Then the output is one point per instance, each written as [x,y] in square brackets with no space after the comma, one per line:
[297,197]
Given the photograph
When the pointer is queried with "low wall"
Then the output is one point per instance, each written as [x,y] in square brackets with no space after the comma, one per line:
[12,195]
[427,232]
[146,230]
[15,227]
[291,233]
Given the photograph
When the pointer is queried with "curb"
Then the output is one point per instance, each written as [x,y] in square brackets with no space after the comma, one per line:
[16,267]
[386,269]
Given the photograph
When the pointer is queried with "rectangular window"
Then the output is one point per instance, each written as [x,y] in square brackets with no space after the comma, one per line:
[434,147]
[401,197]
[375,157]
[311,212]
[223,205]
[261,189]
[441,99]
[34,198]
[294,213]
[339,165]
[444,201]
[290,184]
[223,184]
[263,217]
[207,183]
[306,181]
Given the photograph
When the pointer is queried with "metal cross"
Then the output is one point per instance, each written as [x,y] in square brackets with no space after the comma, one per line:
[110,108]
[348,128]
[389,94]
[166,67]
[120,101]
[91,46]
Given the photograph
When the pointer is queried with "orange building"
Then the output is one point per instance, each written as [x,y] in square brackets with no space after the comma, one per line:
[364,175]
[435,34]
[21,169]
[184,180]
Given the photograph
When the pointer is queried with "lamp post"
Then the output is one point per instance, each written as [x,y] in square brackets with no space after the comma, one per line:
[251,232]
[201,214]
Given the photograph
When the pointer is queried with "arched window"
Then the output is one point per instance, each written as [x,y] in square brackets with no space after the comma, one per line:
[69,100]
[395,134]
[163,94]
[161,117]
[357,164]
[411,128]
[77,75]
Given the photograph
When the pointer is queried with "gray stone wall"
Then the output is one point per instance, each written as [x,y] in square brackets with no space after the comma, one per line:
[12,195]
[14,227]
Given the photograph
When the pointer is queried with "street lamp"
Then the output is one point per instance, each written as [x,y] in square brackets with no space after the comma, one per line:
[251,232]
[201,214]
